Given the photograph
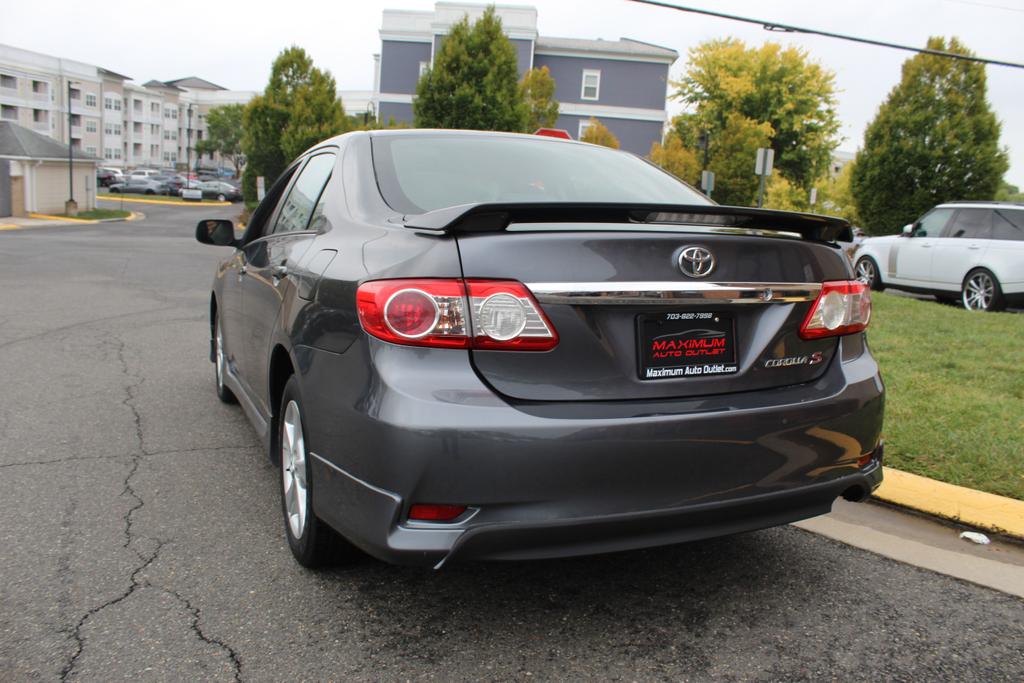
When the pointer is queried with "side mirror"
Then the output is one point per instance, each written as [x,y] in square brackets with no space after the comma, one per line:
[908,229]
[216,231]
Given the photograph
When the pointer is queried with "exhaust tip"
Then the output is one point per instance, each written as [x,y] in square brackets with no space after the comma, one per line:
[855,494]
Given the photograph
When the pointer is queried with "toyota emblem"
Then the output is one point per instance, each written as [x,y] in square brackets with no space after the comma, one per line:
[696,261]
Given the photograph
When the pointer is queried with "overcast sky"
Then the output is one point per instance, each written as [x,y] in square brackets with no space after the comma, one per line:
[233,43]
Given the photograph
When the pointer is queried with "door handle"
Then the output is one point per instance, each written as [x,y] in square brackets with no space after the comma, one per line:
[974,246]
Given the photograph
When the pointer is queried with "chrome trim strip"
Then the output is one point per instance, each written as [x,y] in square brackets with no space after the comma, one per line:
[673,293]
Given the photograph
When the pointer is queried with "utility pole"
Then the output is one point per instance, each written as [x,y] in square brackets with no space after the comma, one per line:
[188,149]
[763,168]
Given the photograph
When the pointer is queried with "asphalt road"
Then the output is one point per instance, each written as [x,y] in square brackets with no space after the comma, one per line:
[141,537]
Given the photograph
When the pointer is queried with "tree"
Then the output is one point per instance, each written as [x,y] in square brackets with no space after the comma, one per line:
[598,134]
[733,151]
[1009,193]
[934,139]
[298,108]
[675,158]
[473,82]
[224,134]
[538,91]
[833,196]
[770,85]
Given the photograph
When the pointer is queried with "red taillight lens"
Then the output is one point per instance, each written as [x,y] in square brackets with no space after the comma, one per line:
[480,314]
[415,312]
[842,307]
[435,513]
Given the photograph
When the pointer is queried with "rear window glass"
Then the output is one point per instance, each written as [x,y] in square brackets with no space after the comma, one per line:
[1008,224]
[422,173]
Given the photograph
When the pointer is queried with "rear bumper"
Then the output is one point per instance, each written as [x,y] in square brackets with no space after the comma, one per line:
[418,426]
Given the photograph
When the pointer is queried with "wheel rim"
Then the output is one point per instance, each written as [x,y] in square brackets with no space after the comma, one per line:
[865,272]
[979,292]
[219,356]
[293,469]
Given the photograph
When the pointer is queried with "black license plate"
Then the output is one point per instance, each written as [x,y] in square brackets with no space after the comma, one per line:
[686,344]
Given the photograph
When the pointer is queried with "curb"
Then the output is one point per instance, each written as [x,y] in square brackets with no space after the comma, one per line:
[62,219]
[956,503]
[109,198]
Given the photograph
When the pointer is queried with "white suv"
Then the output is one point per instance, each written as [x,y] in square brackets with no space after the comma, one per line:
[971,251]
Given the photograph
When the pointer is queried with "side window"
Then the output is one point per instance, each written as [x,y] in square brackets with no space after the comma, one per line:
[933,223]
[1008,225]
[297,208]
[970,224]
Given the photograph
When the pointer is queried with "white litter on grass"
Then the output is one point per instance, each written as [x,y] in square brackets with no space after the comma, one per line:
[974,536]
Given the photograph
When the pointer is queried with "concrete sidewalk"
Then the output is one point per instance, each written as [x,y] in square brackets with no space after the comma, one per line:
[38,220]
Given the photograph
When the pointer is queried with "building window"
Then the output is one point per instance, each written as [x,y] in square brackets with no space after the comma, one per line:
[423,68]
[137,128]
[90,100]
[137,106]
[108,103]
[154,108]
[8,113]
[91,151]
[76,94]
[76,120]
[39,87]
[39,115]
[90,126]
[8,81]
[174,113]
[154,129]
[112,129]
[117,153]
[591,84]
[108,153]
[584,124]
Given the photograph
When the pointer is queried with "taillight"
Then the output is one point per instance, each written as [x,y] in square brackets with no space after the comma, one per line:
[425,512]
[842,307]
[480,314]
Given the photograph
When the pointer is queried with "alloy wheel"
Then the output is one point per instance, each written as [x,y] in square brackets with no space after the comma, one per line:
[866,271]
[293,469]
[979,292]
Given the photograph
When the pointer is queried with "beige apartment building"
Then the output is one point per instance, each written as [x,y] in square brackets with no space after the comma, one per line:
[128,125]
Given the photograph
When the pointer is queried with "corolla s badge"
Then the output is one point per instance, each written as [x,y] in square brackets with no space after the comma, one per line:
[696,261]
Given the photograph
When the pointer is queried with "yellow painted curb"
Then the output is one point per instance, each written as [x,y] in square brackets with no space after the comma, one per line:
[960,504]
[113,198]
[8,227]
[68,219]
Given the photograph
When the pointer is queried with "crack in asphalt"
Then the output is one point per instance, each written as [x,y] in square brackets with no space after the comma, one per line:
[145,560]
[84,323]
[236,661]
[126,456]
[70,458]
[76,633]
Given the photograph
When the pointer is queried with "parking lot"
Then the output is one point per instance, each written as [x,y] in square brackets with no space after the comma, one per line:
[143,537]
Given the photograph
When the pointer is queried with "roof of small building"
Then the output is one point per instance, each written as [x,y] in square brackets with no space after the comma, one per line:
[194,82]
[20,142]
[160,84]
[623,46]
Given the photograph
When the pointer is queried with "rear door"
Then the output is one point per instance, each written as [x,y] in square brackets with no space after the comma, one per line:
[632,324]
[270,260]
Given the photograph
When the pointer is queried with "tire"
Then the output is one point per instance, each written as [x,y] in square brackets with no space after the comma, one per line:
[312,542]
[150,192]
[220,363]
[115,190]
[221,198]
[867,272]
[980,291]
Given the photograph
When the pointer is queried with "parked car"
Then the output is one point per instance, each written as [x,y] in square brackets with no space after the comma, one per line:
[971,252]
[105,177]
[221,191]
[174,182]
[140,185]
[475,345]
[143,173]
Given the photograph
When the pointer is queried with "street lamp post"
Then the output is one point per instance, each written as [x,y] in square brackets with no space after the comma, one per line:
[188,150]
[70,208]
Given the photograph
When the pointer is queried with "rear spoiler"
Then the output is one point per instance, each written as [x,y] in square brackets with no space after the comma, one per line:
[467,218]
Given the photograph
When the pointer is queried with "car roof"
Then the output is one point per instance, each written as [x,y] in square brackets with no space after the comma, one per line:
[977,203]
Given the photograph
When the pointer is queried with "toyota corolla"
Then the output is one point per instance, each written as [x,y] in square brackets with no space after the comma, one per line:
[462,345]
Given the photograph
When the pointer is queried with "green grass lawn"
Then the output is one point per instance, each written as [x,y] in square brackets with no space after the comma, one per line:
[114,196]
[954,392]
[102,214]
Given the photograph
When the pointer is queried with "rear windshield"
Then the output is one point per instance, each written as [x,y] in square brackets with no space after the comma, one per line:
[422,173]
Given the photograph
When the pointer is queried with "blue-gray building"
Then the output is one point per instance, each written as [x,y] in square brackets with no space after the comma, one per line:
[623,83]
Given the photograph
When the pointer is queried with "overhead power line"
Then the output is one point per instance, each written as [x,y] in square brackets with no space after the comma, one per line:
[786,28]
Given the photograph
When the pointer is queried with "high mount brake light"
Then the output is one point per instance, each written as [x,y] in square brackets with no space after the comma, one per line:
[479,314]
[842,307]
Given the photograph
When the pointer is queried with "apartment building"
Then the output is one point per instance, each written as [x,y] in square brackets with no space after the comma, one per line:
[128,125]
[623,83]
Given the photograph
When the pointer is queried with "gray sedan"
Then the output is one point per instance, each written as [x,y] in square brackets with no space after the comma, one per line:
[464,345]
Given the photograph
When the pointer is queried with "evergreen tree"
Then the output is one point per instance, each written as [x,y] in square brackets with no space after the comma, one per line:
[934,140]
[474,81]
[538,89]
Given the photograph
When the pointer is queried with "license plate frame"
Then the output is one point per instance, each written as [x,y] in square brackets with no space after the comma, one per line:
[685,344]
